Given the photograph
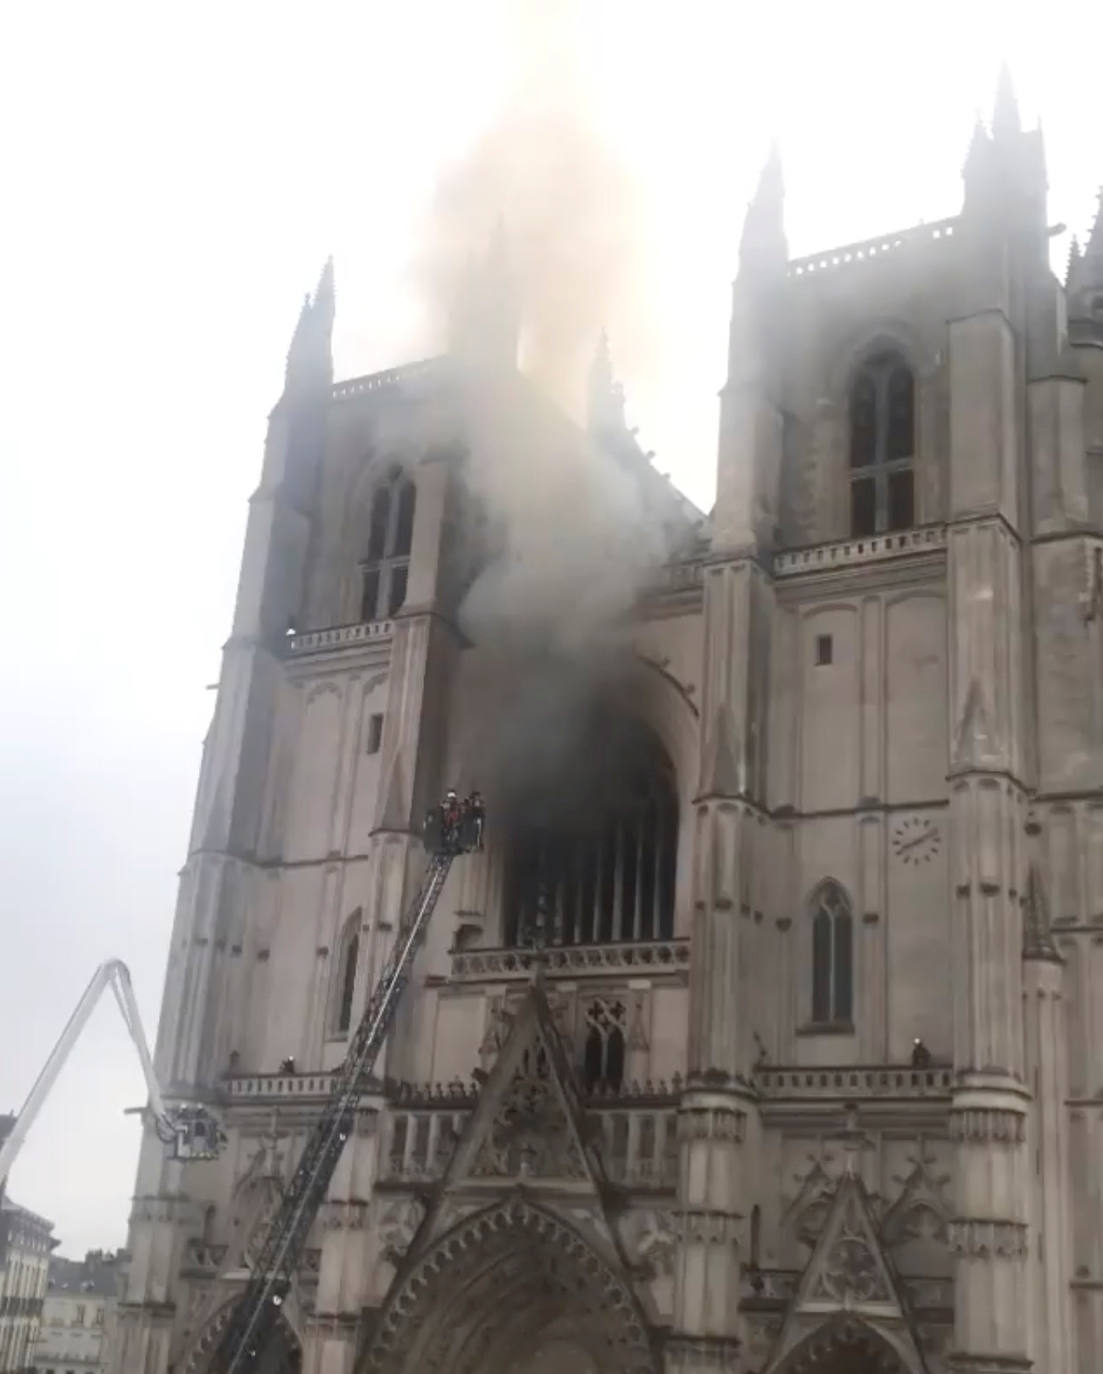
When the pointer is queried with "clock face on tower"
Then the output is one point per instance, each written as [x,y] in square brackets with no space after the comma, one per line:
[916,839]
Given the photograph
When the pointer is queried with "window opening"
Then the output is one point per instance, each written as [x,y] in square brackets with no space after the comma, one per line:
[882,446]
[346,973]
[375,733]
[385,569]
[824,649]
[603,1053]
[598,849]
[832,956]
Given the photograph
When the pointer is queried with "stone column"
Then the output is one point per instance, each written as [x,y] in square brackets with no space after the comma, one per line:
[718,1122]
[991,1103]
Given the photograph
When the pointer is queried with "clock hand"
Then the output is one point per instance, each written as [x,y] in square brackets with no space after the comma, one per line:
[903,849]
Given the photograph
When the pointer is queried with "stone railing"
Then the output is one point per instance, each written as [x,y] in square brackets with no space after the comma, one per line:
[282,1085]
[340,637]
[417,1145]
[873,548]
[639,1148]
[854,1084]
[871,250]
[776,1288]
[571,961]
[674,577]
[638,1144]
[385,381]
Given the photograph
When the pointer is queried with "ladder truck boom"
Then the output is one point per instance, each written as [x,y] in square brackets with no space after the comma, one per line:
[243,1342]
[189,1130]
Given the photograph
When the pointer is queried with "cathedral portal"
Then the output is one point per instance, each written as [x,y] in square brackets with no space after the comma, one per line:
[511,1290]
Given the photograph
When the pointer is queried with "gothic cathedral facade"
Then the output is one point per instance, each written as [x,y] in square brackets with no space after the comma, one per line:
[780,1049]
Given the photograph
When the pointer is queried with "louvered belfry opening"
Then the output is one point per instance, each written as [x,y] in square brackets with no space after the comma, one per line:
[596,848]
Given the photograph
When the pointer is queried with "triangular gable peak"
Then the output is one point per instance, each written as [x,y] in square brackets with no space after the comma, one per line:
[528,1130]
[849,1272]
[529,1124]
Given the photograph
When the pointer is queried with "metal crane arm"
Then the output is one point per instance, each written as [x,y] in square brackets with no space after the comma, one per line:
[174,1127]
[249,1329]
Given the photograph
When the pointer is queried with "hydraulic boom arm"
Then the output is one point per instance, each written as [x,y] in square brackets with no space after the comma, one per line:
[250,1327]
[191,1131]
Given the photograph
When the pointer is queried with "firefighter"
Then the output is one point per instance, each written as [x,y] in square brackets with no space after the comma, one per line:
[451,816]
[478,818]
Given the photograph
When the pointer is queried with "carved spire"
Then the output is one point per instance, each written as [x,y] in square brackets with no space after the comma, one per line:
[1074,260]
[1006,122]
[484,325]
[324,299]
[1095,238]
[763,248]
[605,408]
[309,357]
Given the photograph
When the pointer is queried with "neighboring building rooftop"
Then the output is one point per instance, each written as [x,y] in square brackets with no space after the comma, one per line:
[94,1274]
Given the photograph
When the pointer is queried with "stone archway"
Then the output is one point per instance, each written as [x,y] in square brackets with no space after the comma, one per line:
[844,1345]
[283,1354]
[511,1290]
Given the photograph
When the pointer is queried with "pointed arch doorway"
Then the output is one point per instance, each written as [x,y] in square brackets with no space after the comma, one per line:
[844,1346]
[511,1290]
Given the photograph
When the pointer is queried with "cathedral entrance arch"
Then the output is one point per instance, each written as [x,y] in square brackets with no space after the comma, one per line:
[843,1346]
[511,1290]
[283,1354]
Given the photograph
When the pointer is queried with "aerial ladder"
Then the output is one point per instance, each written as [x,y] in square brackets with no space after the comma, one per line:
[188,1130]
[451,829]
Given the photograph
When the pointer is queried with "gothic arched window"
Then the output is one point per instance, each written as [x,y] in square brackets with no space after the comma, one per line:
[386,566]
[592,853]
[603,1050]
[348,954]
[882,446]
[832,955]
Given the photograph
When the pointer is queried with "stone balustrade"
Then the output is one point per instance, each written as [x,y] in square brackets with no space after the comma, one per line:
[639,1148]
[571,961]
[675,577]
[339,637]
[872,548]
[871,250]
[638,1144]
[285,1085]
[387,380]
[854,1084]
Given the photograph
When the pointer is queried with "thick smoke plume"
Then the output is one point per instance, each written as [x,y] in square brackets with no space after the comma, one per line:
[539,224]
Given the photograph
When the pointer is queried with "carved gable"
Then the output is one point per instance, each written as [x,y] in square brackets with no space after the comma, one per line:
[528,1129]
[849,1272]
[529,1122]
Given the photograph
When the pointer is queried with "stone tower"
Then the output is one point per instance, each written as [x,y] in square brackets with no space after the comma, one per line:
[764,1036]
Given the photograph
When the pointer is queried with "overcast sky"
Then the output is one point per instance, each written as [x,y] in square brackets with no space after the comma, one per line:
[173,178]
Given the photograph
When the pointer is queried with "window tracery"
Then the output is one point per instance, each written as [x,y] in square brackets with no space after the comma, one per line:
[882,446]
[603,1045]
[832,955]
[603,871]
[385,569]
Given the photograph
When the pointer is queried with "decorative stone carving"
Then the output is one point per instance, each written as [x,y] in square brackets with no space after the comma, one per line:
[921,1209]
[850,1272]
[656,1242]
[710,1227]
[538,1252]
[985,1125]
[530,1135]
[344,1216]
[398,1225]
[711,1123]
[981,1239]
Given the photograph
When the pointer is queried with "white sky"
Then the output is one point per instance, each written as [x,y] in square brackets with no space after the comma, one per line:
[173,178]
